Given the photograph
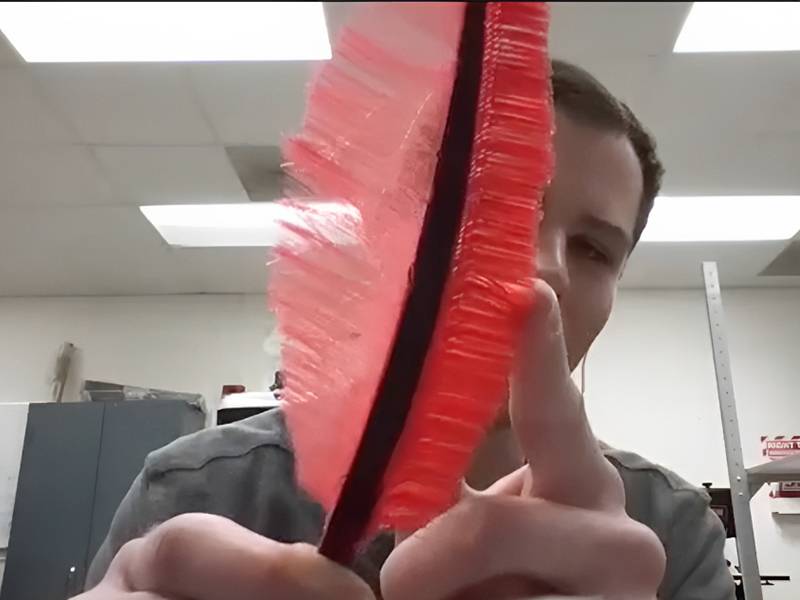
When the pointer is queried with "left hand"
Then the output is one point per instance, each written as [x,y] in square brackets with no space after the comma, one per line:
[557,526]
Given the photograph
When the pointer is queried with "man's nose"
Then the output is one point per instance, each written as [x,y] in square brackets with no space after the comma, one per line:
[551,262]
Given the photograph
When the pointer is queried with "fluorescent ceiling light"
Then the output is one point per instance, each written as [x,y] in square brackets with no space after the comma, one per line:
[740,27]
[723,219]
[165,31]
[673,219]
[247,225]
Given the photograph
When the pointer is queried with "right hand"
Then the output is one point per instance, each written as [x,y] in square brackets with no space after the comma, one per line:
[206,557]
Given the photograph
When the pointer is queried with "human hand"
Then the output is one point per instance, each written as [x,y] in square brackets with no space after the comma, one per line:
[556,526]
[206,557]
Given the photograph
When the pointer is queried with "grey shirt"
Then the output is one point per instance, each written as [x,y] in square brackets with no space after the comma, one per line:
[245,471]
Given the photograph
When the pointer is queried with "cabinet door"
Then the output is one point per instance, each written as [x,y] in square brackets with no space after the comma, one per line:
[50,527]
[131,430]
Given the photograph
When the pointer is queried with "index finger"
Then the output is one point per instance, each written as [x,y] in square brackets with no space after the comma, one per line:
[549,420]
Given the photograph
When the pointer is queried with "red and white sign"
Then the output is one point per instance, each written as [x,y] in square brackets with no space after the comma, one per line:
[777,447]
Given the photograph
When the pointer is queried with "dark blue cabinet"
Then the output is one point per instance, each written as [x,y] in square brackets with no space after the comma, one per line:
[78,461]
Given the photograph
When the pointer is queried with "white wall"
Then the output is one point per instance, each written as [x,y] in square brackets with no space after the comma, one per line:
[650,380]
[650,388]
[181,343]
[13,418]
[193,343]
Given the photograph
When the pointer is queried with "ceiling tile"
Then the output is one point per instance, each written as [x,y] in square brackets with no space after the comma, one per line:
[85,250]
[742,92]
[662,265]
[50,175]
[138,104]
[112,251]
[221,270]
[259,170]
[170,175]
[585,30]
[24,117]
[728,162]
[252,103]
[337,14]
[787,263]
[725,124]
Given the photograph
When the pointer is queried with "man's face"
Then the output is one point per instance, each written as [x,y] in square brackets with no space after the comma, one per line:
[589,215]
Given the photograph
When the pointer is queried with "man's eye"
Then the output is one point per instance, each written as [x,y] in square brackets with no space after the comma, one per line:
[591,250]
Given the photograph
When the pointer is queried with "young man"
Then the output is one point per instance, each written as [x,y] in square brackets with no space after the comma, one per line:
[573,518]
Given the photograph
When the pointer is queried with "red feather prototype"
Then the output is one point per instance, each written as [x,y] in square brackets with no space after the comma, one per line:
[431,128]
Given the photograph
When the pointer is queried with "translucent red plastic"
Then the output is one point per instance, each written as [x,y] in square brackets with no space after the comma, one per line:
[370,140]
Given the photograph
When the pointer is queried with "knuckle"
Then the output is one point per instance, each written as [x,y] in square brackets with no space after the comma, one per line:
[293,568]
[614,490]
[479,522]
[299,571]
[648,546]
[282,565]
[126,553]
[636,544]
[169,544]
[125,562]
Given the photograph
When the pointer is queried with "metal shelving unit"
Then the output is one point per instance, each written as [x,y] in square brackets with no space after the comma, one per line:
[744,482]
[785,469]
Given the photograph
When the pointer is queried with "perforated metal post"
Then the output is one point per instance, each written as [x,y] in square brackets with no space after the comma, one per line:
[740,488]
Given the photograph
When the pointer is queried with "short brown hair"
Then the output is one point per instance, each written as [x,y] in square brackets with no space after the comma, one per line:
[584,98]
